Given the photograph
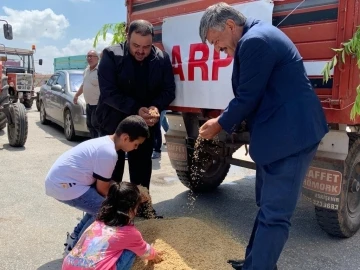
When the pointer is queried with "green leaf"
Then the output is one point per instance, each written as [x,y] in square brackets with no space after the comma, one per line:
[117,29]
[334,61]
[350,47]
[325,73]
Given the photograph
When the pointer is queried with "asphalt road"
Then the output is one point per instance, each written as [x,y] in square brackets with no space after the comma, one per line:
[33,226]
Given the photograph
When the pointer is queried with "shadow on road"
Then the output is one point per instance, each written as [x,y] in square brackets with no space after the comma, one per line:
[56,132]
[11,148]
[56,264]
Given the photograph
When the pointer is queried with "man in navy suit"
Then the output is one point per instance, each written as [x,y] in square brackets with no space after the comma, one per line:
[276,99]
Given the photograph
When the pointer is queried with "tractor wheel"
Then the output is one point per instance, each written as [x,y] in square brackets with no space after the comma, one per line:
[346,221]
[3,120]
[18,130]
[28,103]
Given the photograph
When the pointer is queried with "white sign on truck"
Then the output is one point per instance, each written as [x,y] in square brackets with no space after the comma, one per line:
[201,81]
[208,81]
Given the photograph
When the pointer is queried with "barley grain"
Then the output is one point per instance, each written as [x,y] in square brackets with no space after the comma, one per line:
[188,244]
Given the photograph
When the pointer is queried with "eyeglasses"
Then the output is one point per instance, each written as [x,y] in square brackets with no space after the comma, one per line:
[91,56]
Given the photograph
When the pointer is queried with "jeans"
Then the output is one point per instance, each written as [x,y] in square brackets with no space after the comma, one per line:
[163,122]
[91,121]
[277,190]
[90,202]
[126,260]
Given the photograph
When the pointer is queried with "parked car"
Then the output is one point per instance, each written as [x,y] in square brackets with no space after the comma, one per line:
[56,103]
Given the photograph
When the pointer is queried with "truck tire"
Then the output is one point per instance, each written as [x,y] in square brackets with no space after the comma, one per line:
[3,121]
[28,103]
[18,131]
[345,222]
[205,173]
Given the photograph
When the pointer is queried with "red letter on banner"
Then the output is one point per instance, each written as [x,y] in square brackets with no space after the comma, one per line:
[218,63]
[200,63]
[176,62]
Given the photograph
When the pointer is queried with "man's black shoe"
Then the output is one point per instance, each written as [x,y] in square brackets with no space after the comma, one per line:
[238,264]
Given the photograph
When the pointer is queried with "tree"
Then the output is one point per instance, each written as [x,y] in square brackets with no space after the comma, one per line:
[352,48]
[117,29]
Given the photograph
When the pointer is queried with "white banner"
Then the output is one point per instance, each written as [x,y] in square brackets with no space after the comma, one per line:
[203,82]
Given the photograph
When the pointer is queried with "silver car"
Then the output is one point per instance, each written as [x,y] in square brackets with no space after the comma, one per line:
[56,103]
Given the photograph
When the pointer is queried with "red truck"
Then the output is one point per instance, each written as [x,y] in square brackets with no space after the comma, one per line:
[204,90]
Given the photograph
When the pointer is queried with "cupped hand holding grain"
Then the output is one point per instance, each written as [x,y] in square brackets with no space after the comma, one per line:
[145,114]
[154,112]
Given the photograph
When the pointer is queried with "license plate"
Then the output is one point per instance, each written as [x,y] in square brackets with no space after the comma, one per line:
[177,151]
[322,187]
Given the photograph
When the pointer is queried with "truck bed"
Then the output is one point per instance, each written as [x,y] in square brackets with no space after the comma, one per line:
[70,62]
[315,26]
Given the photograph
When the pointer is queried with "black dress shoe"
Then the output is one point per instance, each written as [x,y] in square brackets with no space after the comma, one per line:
[238,264]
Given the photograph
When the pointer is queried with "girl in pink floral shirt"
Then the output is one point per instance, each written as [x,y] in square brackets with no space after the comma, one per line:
[112,241]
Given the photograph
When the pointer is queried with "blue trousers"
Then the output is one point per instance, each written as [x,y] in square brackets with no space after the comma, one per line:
[278,187]
[126,260]
[163,122]
[90,202]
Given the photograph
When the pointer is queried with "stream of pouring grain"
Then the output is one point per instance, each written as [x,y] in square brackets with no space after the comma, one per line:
[199,163]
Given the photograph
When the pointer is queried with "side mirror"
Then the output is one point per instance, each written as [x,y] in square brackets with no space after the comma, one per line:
[8,34]
[40,62]
[56,87]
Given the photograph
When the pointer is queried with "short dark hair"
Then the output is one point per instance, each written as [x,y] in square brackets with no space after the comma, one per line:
[141,27]
[122,197]
[134,126]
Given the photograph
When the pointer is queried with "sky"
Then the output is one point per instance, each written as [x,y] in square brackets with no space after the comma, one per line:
[58,27]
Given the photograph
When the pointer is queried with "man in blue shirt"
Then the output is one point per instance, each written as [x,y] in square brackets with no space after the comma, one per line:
[286,121]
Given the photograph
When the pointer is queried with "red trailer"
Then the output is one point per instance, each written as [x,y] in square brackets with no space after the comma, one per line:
[204,89]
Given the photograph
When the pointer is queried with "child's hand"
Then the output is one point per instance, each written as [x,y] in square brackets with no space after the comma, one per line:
[158,257]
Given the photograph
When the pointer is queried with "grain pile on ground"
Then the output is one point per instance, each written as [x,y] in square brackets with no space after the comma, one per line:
[189,244]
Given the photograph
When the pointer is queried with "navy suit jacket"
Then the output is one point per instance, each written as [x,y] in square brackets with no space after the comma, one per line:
[273,95]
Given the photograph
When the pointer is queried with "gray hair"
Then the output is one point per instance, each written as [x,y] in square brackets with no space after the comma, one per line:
[141,27]
[215,17]
[96,53]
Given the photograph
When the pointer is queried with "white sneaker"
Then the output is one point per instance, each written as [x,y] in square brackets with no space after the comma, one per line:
[70,238]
